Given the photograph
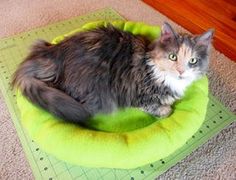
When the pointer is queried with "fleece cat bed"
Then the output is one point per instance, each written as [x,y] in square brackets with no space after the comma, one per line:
[124,139]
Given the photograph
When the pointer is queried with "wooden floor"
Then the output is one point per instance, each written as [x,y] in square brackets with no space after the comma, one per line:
[200,15]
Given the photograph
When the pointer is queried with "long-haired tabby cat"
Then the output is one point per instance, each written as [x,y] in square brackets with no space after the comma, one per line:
[103,69]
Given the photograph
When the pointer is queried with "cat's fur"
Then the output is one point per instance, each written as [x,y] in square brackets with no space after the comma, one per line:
[103,69]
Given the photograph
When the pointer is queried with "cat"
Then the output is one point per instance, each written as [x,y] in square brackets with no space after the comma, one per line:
[100,70]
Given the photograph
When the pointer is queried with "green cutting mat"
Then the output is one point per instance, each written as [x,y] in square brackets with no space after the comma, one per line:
[45,166]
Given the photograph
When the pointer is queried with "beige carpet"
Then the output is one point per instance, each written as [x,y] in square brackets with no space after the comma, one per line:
[214,160]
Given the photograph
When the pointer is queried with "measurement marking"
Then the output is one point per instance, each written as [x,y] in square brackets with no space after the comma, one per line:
[7,47]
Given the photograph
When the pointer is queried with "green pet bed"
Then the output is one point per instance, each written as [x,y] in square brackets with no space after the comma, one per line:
[125,139]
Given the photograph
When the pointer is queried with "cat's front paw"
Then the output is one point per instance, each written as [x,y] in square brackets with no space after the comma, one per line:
[158,110]
[163,111]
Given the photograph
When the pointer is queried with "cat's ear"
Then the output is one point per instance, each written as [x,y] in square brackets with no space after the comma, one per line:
[167,33]
[205,38]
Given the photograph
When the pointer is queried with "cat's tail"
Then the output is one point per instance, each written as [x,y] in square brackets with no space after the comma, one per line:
[33,78]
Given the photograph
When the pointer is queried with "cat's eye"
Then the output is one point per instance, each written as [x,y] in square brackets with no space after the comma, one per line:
[193,60]
[173,57]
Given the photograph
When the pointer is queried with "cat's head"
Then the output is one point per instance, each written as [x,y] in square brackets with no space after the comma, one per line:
[179,59]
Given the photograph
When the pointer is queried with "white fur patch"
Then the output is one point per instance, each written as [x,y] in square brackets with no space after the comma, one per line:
[173,81]
[176,84]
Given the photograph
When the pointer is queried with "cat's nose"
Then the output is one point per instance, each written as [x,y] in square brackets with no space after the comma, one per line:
[181,72]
